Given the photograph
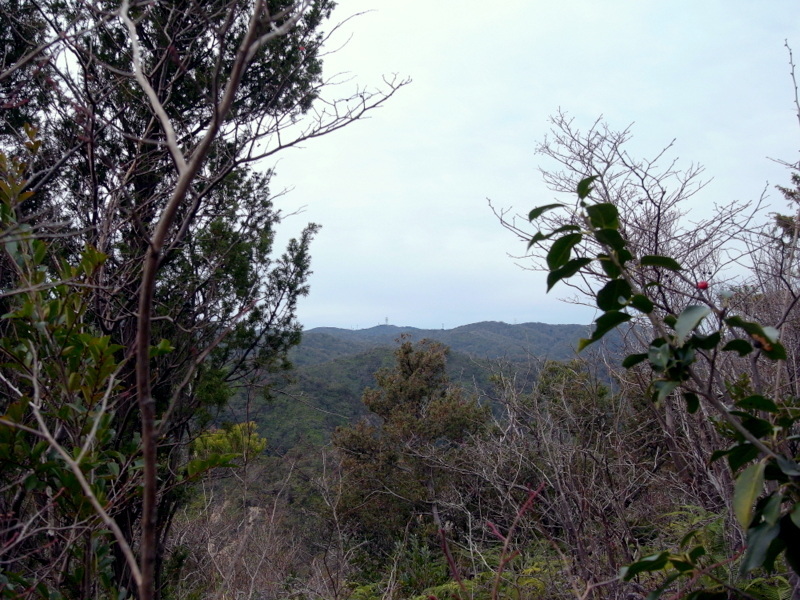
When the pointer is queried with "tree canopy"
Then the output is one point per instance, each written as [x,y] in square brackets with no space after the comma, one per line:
[140,283]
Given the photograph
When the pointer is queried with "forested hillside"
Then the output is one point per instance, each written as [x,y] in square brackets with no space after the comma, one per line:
[486,340]
[334,366]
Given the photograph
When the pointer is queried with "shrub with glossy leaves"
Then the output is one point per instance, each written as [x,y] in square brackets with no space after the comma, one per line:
[756,429]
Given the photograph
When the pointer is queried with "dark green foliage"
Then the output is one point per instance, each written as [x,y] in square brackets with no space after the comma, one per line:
[25,91]
[59,382]
[319,398]
[395,466]
[487,340]
[81,207]
[419,566]
[335,366]
[680,340]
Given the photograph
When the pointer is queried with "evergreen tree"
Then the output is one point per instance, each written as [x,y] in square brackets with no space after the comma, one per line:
[398,466]
[134,216]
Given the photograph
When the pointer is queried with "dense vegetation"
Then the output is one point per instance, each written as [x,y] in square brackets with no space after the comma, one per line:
[140,286]
[147,327]
[333,367]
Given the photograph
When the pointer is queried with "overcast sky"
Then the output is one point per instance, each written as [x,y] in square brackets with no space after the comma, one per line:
[407,234]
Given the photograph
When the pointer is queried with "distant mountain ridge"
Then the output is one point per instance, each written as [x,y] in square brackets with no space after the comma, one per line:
[333,366]
[490,340]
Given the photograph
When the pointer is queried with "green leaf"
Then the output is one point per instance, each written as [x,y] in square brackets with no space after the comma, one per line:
[33,482]
[758,427]
[642,303]
[790,535]
[772,508]
[614,295]
[759,539]
[633,359]
[654,562]
[15,412]
[624,256]
[757,402]
[659,355]
[612,239]
[680,565]
[585,186]
[195,466]
[747,326]
[74,381]
[609,266]
[740,455]
[604,323]
[749,486]
[697,552]
[777,352]
[660,261]
[795,515]
[789,467]
[706,342]
[663,388]
[568,270]
[39,251]
[763,338]
[603,216]
[690,318]
[774,550]
[564,228]
[692,402]
[739,346]
[561,250]
[537,212]
[717,454]
[164,347]
[539,236]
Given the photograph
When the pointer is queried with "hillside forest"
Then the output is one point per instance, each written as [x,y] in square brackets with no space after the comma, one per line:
[168,431]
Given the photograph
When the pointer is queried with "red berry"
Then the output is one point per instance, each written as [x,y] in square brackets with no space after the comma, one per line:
[702,285]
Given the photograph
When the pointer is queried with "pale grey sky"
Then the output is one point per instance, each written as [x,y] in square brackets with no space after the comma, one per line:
[407,233]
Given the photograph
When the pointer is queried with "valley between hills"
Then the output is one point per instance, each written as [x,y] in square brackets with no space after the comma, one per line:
[333,366]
